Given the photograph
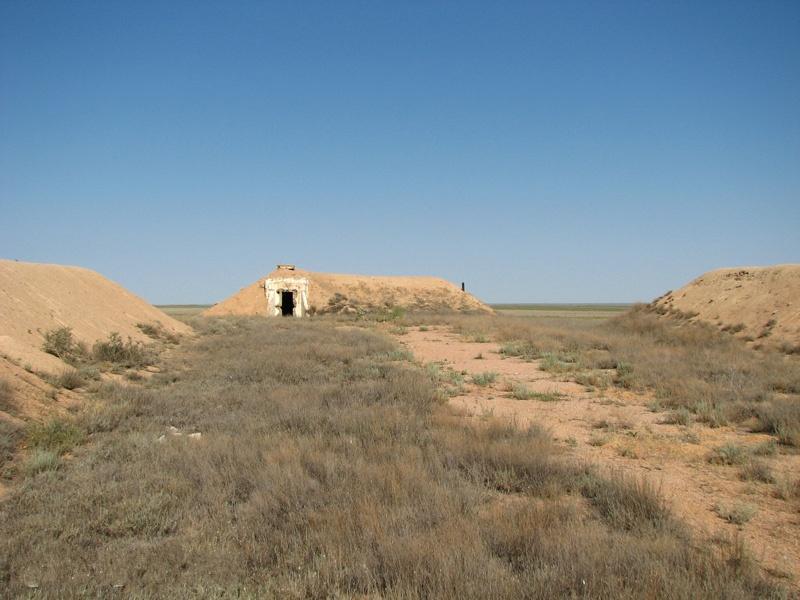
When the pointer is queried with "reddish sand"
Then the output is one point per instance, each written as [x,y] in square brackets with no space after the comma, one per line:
[357,292]
[760,303]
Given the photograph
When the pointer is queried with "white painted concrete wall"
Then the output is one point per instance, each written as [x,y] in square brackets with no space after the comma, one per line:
[273,288]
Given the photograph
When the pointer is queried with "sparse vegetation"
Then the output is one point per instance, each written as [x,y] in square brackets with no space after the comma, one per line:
[738,514]
[113,353]
[330,471]
[599,439]
[55,435]
[689,366]
[788,489]
[782,419]
[757,470]
[41,460]
[768,448]
[485,378]
[728,454]
[520,392]
[476,337]
[10,437]
[6,395]
[450,382]
[629,504]
[69,379]
[680,416]
[125,353]
[157,331]
[60,342]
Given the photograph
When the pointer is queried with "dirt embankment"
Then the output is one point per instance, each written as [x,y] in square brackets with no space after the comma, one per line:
[36,298]
[760,304]
[333,293]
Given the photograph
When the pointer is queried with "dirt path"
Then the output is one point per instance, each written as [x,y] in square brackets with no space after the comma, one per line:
[615,429]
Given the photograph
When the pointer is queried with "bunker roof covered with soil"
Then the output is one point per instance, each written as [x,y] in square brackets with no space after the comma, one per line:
[338,293]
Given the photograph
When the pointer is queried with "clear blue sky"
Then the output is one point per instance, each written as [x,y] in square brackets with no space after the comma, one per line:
[564,151]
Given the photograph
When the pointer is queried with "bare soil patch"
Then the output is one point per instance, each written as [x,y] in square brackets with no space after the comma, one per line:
[615,429]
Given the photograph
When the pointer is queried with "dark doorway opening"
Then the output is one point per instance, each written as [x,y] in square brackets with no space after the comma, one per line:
[287,304]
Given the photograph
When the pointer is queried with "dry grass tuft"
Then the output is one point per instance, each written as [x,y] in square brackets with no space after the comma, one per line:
[757,470]
[738,514]
[6,395]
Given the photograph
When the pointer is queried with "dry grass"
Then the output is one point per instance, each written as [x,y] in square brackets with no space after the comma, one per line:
[757,470]
[126,353]
[691,368]
[328,469]
[69,379]
[10,437]
[6,395]
[521,392]
[738,514]
[484,379]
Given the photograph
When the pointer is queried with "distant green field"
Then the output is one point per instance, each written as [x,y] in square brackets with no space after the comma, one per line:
[182,310]
[584,311]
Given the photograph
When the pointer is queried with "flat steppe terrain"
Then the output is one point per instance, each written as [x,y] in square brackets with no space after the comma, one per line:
[624,455]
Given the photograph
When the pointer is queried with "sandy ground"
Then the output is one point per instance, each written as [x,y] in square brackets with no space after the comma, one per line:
[636,441]
[763,301]
[428,293]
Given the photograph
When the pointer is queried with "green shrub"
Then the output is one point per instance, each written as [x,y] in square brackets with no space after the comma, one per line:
[126,353]
[59,342]
[56,435]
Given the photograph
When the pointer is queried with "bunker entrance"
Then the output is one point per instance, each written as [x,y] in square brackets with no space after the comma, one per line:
[287,304]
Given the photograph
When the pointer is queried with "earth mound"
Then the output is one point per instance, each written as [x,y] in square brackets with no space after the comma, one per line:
[336,293]
[759,304]
[36,298]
